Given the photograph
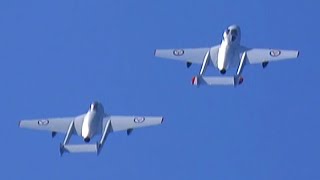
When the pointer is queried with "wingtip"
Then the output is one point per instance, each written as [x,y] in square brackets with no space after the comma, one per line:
[19,124]
[154,52]
[162,119]
[298,54]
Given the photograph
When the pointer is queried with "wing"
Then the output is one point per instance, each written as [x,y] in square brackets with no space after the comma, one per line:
[120,123]
[255,56]
[52,124]
[195,55]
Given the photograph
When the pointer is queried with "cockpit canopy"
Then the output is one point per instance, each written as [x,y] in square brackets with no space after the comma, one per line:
[94,106]
[232,33]
[227,32]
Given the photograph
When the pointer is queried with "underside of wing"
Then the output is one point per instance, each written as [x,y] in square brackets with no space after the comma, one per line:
[195,55]
[255,56]
[120,123]
[60,125]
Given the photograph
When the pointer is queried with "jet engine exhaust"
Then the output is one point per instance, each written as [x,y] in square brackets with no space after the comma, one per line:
[223,71]
[87,139]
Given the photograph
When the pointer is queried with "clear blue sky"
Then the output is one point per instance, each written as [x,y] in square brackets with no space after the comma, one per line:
[59,56]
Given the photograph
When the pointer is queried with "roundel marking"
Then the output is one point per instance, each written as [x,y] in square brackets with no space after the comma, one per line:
[178,52]
[275,53]
[43,122]
[139,119]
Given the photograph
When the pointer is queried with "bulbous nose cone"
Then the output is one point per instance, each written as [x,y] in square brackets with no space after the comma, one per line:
[223,71]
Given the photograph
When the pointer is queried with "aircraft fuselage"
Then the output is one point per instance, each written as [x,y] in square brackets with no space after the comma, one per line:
[229,45]
[92,123]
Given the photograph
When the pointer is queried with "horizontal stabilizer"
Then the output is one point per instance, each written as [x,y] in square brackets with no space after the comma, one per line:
[77,148]
[215,80]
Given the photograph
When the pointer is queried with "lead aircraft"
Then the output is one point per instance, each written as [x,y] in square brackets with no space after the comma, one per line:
[230,53]
[87,125]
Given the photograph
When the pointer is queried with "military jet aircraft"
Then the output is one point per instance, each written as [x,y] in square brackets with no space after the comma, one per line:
[230,53]
[87,125]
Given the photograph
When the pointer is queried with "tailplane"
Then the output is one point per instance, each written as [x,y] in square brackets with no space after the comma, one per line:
[78,148]
[217,80]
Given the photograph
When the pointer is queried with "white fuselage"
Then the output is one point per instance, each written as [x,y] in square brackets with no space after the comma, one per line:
[92,122]
[230,43]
